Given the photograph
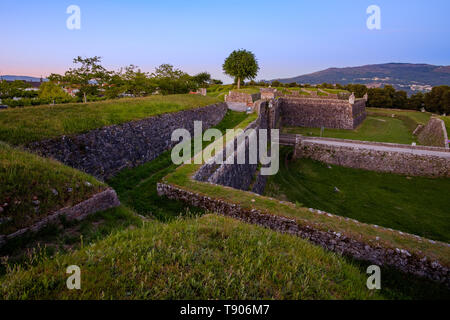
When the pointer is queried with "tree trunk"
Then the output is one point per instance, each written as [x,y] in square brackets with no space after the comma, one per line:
[239,83]
[84,97]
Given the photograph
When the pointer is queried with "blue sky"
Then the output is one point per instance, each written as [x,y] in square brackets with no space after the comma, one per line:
[288,37]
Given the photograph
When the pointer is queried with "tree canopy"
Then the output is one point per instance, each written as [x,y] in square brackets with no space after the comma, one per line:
[242,65]
[52,92]
[88,77]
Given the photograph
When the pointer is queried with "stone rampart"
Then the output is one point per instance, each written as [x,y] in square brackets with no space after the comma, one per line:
[104,152]
[242,97]
[380,157]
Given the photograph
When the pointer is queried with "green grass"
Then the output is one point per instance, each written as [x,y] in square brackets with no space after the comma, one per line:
[210,257]
[417,116]
[299,90]
[23,125]
[374,128]
[136,187]
[415,205]
[26,178]
[182,178]
[447,124]
[335,91]
[219,91]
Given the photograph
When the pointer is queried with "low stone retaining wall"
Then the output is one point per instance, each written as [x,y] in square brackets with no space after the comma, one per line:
[104,152]
[400,259]
[99,202]
[317,112]
[353,154]
[359,112]
[434,134]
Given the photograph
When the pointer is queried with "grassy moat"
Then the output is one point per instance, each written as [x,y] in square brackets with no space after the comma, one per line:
[415,205]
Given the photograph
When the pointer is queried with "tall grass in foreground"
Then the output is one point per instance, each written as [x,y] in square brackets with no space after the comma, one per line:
[211,257]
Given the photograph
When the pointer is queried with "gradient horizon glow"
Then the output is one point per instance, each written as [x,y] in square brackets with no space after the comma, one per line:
[289,38]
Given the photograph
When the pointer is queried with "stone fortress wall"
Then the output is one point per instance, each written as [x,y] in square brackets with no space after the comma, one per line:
[329,111]
[269,93]
[375,156]
[317,112]
[239,176]
[348,114]
[106,151]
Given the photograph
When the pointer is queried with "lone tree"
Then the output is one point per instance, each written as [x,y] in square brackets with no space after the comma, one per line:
[241,64]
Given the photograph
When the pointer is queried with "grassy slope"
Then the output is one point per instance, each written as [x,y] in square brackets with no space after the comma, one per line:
[219,91]
[249,90]
[335,91]
[417,116]
[25,178]
[415,205]
[136,187]
[447,124]
[382,129]
[23,125]
[199,258]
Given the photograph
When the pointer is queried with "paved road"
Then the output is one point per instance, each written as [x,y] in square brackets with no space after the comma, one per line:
[441,154]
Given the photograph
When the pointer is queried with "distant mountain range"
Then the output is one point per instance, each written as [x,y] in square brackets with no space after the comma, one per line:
[23,78]
[404,76]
